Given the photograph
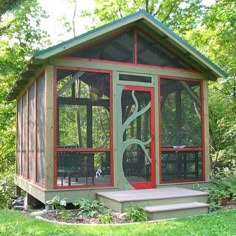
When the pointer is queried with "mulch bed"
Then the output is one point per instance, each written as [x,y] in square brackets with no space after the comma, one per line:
[71,216]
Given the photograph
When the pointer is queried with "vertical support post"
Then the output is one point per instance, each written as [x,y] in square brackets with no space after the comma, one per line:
[49,127]
[205,123]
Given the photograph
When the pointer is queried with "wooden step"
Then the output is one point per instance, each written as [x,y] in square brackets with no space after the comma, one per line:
[119,200]
[178,210]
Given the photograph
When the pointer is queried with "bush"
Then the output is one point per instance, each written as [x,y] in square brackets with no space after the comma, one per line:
[7,190]
[88,208]
[136,214]
[106,217]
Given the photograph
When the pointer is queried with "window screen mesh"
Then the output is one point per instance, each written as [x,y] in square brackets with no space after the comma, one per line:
[40,130]
[24,137]
[19,136]
[181,166]
[151,52]
[117,48]
[180,113]
[31,131]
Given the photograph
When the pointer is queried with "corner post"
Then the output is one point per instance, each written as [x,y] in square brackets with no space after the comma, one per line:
[49,127]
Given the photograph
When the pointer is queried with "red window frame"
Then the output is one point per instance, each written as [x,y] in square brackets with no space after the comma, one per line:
[58,149]
[152,182]
[200,149]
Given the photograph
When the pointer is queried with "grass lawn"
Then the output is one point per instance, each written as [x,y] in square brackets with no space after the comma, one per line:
[222,223]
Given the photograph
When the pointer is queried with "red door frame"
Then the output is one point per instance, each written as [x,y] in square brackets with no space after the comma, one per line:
[152,182]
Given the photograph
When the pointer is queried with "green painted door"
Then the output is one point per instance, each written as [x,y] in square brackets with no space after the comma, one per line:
[136,135]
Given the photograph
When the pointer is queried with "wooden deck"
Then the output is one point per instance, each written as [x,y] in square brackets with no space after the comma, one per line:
[161,203]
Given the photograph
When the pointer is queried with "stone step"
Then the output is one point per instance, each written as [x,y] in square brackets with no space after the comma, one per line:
[177,210]
[119,200]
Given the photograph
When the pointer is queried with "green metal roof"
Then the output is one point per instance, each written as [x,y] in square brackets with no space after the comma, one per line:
[143,20]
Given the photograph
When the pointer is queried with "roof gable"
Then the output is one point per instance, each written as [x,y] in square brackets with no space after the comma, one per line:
[147,22]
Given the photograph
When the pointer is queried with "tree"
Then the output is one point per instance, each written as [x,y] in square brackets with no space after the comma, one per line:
[216,38]
[179,15]
[21,35]
[8,5]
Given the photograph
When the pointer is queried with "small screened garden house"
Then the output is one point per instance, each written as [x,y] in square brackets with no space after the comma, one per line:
[120,107]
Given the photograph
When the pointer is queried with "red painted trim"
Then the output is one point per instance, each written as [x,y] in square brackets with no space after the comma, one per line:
[182,181]
[152,182]
[187,149]
[89,186]
[40,185]
[82,149]
[135,47]
[58,149]
[130,64]
[180,149]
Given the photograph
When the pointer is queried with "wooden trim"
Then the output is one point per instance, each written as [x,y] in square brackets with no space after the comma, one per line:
[27,135]
[35,132]
[135,47]
[49,127]
[125,67]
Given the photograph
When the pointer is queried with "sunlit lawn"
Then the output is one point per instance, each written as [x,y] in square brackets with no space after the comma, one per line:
[222,223]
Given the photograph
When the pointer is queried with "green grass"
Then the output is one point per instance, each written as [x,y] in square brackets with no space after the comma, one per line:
[221,223]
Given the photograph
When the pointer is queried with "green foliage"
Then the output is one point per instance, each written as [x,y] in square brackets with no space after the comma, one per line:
[105,217]
[20,36]
[179,15]
[8,5]
[64,215]
[57,203]
[213,206]
[136,214]
[216,38]
[7,190]
[88,208]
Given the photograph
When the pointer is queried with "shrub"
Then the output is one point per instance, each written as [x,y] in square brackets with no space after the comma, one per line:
[7,190]
[57,203]
[106,217]
[88,208]
[136,214]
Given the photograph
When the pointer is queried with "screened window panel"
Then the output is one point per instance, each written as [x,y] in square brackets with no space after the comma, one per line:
[135,78]
[180,113]
[19,136]
[101,127]
[24,137]
[117,48]
[83,168]
[181,166]
[83,109]
[151,52]
[72,126]
[40,130]
[31,131]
